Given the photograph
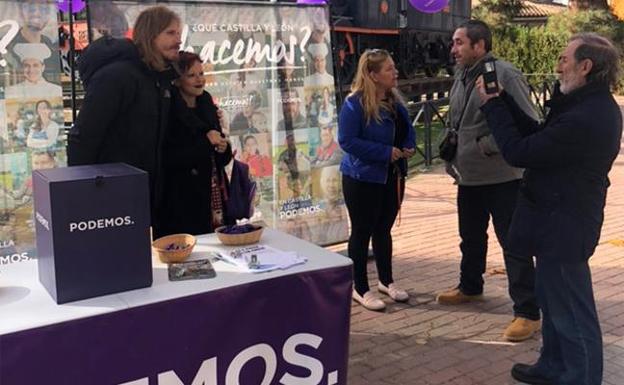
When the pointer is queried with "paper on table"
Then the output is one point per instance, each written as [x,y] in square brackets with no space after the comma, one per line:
[268,258]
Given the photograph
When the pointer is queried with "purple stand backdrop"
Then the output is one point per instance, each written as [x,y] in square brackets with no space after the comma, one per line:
[291,330]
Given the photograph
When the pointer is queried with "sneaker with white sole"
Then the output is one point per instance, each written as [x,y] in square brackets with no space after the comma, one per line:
[369,300]
[393,292]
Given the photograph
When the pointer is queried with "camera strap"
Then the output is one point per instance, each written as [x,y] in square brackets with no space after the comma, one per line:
[466,100]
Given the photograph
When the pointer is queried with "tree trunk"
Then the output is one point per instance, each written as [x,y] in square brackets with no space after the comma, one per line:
[588,4]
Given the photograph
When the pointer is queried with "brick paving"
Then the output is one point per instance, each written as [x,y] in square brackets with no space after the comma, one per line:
[422,342]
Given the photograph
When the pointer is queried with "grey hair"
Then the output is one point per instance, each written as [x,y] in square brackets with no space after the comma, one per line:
[603,55]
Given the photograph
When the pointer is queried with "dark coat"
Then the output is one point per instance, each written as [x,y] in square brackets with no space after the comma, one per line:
[567,159]
[188,158]
[124,114]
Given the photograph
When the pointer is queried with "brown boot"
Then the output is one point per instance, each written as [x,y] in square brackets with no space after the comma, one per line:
[456,297]
[521,329]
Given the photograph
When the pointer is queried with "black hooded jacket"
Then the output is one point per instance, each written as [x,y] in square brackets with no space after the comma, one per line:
[125,111]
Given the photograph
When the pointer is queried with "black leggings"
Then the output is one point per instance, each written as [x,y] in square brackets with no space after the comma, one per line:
[372,209]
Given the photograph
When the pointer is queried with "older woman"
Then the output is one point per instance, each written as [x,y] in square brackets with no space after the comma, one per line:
[377,137]
[195,154]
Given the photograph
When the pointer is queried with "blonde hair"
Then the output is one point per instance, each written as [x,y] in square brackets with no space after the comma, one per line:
[371,61]
[150,23]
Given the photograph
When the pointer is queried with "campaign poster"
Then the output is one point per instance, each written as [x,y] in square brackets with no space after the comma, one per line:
[269,68]
[32,133]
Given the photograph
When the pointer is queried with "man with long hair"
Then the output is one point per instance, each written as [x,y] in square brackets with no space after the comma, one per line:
[128,91]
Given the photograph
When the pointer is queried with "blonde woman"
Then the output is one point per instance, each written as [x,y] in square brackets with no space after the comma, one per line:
[128,93]
[377,137]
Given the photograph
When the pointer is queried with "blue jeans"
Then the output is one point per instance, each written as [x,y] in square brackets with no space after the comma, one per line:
[571,337]
[475,206]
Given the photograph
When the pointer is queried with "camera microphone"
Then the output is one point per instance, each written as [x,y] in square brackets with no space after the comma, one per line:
[489,76]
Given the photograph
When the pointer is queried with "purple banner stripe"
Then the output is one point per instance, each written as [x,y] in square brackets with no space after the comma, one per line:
[288,328]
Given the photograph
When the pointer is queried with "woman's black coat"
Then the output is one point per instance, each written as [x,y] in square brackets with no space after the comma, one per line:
[188,157]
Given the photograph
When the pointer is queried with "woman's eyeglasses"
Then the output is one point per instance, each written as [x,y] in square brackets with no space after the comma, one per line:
[376,51]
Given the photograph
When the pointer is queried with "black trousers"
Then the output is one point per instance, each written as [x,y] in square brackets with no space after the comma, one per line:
[475,205]
[571,337]
[372,207]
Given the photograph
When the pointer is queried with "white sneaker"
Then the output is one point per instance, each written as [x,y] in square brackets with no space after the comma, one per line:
[393,292]
[369,300]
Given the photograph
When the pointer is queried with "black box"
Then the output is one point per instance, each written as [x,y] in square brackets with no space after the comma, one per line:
[93,230]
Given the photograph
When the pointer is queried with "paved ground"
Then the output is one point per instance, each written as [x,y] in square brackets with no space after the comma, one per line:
[424,343]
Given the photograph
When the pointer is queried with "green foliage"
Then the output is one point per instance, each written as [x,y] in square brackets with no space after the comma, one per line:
[534,50]
[494,12]
[599,21]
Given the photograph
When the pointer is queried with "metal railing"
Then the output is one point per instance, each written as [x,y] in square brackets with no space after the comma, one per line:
[541,88]
[429,118]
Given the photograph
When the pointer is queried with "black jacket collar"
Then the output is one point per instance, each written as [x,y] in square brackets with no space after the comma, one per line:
[167,76]
[107,50]
[192,117]
[560,100]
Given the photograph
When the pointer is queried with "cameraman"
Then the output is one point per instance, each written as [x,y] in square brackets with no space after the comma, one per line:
[487,185]
[561,205]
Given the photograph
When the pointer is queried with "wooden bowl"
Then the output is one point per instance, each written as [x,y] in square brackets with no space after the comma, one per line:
[163,247]
[239,239]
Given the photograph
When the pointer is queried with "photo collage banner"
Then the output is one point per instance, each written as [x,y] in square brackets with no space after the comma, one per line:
[269,68]
[31,116]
